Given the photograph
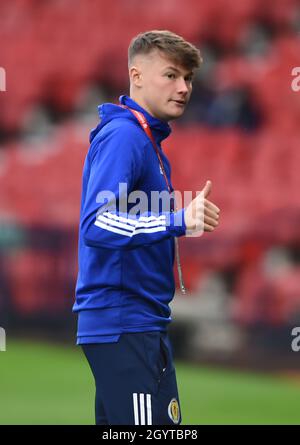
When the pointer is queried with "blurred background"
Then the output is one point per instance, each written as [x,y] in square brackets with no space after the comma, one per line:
[232,332]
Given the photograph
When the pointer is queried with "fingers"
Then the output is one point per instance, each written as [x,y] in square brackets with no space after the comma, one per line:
[201,198]
[211,221]
[206,212]
[208,228]
[211,216]
[211,213]
[206,205]
[212,206]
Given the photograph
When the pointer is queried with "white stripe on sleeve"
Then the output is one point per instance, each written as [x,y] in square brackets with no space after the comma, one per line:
[119,225]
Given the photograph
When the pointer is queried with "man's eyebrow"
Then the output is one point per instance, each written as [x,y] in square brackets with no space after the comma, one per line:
[178,71]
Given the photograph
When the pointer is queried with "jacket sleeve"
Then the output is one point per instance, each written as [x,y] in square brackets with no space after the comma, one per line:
[116,165]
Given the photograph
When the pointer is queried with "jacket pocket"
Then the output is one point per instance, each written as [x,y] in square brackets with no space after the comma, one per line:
[156,353]
[163,358]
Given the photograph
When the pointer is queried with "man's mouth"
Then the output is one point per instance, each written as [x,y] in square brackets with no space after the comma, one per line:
[180,102]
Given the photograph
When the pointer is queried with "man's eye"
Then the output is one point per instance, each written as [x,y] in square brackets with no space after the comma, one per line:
[171,76]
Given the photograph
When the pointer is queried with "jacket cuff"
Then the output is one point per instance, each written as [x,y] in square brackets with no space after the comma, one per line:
[176,224]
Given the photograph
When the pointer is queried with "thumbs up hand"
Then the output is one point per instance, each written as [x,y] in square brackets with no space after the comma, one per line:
[201,214]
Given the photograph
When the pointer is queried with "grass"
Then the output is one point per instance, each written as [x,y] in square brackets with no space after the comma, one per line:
[49,384]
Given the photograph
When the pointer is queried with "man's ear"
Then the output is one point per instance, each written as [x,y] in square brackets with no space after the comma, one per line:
[135,76]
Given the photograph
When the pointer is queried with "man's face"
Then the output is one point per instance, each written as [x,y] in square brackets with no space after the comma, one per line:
[162,87]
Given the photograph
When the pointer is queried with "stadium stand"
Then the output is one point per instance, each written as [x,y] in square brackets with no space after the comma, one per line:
[55,51]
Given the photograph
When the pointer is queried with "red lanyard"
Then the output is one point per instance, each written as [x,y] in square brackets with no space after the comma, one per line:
[145,126]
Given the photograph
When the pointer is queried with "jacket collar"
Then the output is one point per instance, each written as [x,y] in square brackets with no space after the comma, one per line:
[161,130]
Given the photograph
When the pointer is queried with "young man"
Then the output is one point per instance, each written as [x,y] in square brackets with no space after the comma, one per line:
[125,280]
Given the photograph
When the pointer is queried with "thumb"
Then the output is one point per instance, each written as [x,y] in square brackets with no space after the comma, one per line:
[207,189]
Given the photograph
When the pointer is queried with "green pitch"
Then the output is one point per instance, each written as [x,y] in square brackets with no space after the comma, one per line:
[48,384]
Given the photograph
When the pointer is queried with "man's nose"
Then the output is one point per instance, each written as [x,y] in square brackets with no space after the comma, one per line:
[182,86]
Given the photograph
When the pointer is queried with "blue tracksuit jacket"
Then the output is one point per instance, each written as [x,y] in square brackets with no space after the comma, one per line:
[125,279]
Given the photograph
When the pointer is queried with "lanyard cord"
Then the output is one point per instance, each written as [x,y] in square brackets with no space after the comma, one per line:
[145,126]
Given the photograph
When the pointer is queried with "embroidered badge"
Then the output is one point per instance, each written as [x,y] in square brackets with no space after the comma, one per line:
[173,411]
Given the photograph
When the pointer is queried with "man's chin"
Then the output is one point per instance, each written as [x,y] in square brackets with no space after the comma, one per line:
[170,115]
[175,114]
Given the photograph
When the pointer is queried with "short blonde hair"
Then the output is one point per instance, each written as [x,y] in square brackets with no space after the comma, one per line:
[175,47]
